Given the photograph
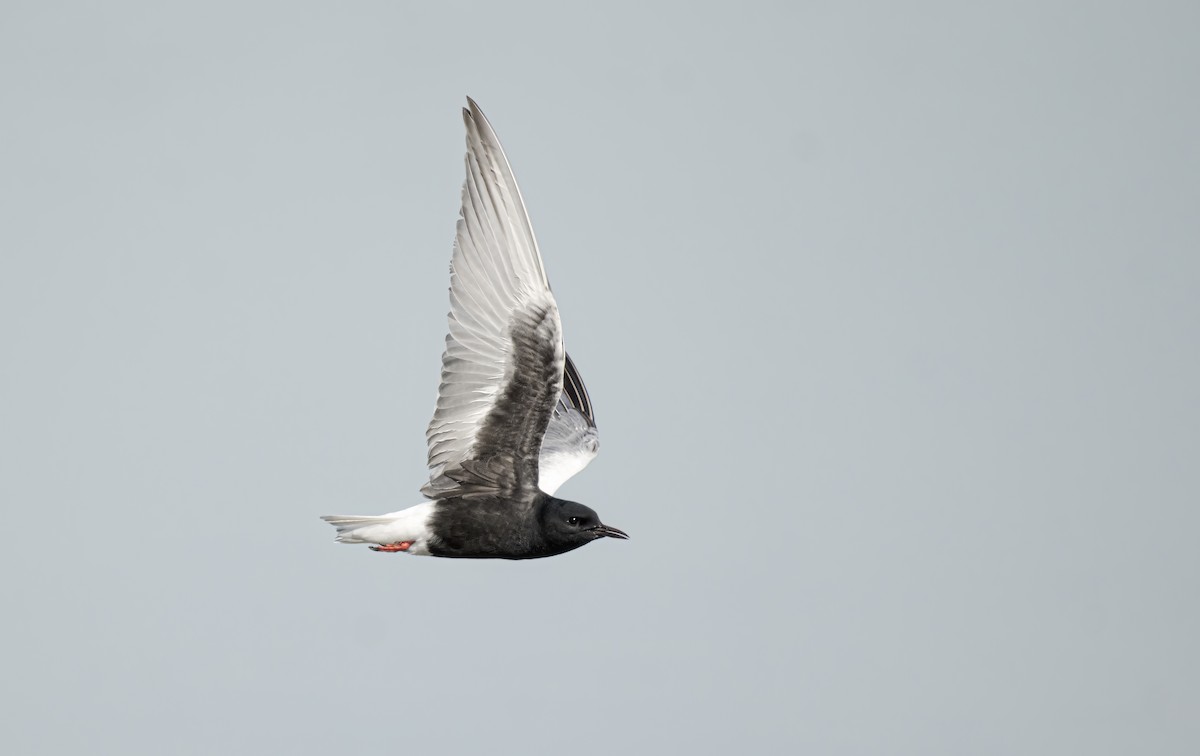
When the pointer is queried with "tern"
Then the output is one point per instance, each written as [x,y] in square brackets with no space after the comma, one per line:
[513,418]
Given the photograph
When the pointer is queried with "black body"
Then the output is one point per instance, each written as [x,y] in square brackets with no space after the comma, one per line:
[488,527]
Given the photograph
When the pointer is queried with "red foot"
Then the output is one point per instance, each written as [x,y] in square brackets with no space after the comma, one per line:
[402,546]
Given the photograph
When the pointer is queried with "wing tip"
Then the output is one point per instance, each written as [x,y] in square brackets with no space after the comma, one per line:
[473,114]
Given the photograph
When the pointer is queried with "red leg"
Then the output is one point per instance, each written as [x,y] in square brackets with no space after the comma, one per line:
[401,546]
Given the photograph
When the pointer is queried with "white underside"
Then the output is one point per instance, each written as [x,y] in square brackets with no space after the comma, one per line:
[554,469]
[410,525]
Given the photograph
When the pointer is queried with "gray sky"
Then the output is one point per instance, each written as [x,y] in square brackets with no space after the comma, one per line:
[889,316]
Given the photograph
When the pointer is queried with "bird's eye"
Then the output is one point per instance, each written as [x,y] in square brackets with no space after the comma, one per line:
[572,520]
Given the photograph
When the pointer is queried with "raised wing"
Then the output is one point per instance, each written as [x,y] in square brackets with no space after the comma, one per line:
[502,372]
[571,440]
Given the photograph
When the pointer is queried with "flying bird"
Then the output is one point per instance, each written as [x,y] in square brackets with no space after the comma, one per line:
[513,418]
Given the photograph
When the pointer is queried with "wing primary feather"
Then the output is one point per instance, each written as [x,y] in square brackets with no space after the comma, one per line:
[576,392]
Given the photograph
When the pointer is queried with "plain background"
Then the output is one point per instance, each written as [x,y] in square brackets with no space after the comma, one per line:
[889,313]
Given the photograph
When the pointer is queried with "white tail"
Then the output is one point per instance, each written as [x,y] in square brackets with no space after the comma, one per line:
[406,525]
[348,525]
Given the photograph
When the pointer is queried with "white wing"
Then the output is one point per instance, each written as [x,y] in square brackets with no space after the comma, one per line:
[502,372]
[571,440]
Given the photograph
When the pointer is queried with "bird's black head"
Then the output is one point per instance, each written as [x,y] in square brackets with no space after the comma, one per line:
[568,525]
